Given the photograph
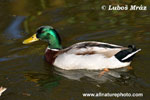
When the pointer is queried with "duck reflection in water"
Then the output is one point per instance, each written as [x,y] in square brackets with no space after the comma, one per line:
[53,75]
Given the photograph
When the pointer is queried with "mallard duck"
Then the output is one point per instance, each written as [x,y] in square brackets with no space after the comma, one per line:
[90,55]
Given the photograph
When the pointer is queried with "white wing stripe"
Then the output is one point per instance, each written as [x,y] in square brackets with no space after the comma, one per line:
[131,54]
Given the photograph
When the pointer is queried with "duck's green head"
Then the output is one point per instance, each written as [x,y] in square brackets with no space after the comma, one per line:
[46,33]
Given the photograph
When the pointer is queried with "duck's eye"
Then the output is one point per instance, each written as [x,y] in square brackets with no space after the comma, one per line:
[42,31]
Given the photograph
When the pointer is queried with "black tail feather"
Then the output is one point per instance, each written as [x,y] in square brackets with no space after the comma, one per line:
[132,47]
[124,53]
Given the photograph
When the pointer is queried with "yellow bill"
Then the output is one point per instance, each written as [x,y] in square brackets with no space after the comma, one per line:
[31,39]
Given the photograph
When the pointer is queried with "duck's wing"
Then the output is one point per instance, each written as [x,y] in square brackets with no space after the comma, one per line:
[93,47]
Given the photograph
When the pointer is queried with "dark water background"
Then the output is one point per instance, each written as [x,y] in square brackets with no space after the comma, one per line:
[28,77]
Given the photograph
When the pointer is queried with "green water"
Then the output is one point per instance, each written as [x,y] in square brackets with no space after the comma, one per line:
[28,77]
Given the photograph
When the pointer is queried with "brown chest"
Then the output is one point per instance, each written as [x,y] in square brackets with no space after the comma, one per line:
[50,55]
